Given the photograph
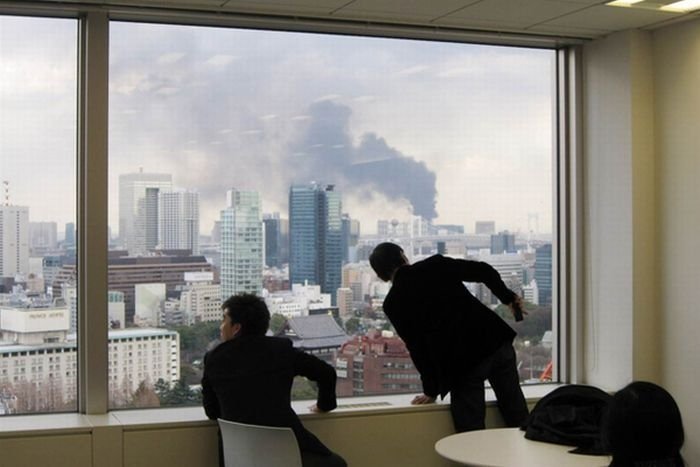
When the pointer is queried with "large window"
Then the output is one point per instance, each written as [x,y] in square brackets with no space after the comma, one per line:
[273,162]
[38,308]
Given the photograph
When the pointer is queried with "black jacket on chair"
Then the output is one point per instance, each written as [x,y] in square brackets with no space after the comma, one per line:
[249,379]
[446,329]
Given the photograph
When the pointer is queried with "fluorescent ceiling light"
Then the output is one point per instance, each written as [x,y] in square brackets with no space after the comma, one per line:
[684,6]
[623,2]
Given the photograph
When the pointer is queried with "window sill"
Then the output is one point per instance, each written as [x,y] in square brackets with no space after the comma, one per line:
[71,423]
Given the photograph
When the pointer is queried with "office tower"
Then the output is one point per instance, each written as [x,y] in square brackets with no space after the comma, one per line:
[345,299]
[350,238]
[69,240]
[543,273]
[420,226]
[315,236]
[276,240]
[241,244]
[138,209]
[502,242]
[383,228]
[42,235]
[485,227]
[178,221]
[14,240]
[69,293]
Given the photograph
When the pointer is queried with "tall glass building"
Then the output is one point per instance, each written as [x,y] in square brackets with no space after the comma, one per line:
[241,244]
[315,236]
[543,273]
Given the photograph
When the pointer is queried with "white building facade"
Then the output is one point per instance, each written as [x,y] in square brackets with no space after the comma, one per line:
[178,225]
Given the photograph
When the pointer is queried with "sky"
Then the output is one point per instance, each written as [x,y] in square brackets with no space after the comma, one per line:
[453,132]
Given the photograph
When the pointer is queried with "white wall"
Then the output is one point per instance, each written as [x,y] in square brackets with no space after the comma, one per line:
[642,198]
[676,55]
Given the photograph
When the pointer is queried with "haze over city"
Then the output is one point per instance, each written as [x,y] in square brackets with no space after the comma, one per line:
[435,129]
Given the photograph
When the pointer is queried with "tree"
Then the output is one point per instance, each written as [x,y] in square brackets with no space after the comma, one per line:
[145,396]
[195,339]
[303,389]
[277,322]
[177,395]
[352,325]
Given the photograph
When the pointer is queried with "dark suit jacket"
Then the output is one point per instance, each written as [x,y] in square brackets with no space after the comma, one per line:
[446,329]
[249,379]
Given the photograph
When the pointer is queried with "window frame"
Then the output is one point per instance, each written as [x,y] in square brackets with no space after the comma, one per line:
[92,166]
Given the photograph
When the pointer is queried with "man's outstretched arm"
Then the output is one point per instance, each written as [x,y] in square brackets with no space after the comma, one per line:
[478,271]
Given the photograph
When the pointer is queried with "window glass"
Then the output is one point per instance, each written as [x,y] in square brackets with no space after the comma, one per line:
[38,121]
[273,162]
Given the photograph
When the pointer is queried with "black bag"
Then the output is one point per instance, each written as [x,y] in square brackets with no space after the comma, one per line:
[570,415]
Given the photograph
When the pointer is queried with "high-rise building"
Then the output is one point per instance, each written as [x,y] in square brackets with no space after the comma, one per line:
[138,209]
[178,221]
[42,235]
[345,300]
[502,242]
[14,240]
[315,236]
[351,236]
[276,240]
[543,273]
[69,239]
[241,244]
[485,227]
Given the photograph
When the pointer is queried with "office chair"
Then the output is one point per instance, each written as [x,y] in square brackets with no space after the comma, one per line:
[258,446]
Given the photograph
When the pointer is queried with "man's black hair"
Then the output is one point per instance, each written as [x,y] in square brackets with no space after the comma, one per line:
[385,259]
[250,311]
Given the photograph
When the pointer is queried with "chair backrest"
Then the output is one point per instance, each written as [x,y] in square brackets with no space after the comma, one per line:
[258,446]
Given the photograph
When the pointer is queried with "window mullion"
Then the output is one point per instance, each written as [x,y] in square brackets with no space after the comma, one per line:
[92,211]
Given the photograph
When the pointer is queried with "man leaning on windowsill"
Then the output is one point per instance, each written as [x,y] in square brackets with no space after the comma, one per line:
[248,378]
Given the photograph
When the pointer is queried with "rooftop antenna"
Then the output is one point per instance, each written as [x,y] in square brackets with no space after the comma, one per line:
[6,189]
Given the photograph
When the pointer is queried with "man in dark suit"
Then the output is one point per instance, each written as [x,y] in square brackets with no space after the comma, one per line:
[248,378]
[455,341]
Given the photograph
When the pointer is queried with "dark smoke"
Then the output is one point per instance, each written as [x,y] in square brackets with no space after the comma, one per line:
[325,153]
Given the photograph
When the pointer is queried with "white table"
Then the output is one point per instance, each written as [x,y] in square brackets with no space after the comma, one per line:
[507,447]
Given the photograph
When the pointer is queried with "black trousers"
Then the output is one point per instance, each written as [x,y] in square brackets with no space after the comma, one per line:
[468,405]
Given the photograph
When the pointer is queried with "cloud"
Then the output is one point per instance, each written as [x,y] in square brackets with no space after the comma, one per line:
[220,60]
[328,97]
[372,166]
[170,58]
[412,70]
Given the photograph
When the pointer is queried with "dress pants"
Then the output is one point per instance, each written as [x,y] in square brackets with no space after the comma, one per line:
[468,405]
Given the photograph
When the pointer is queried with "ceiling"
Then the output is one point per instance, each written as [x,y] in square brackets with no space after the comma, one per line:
[564,18]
